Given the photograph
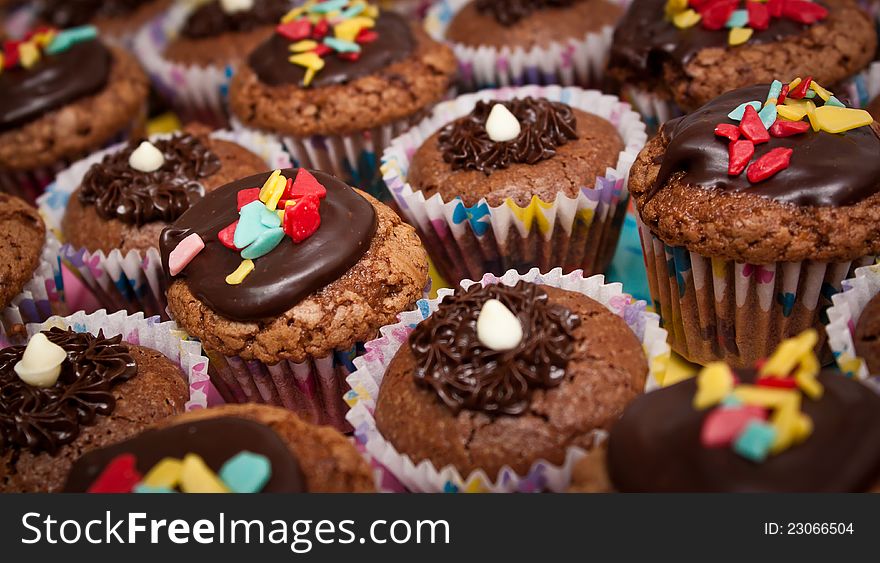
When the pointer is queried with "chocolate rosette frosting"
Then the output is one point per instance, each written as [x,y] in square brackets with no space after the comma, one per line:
[69,13]
[545,125]
[509,12]
[468,375]
[211,20]
[44,419]
[119,191]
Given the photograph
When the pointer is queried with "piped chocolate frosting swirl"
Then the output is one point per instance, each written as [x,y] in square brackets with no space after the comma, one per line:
[468,375]
[546,125]
[210,20]
[69,13]
[119,191]
[44,419]
[509,12]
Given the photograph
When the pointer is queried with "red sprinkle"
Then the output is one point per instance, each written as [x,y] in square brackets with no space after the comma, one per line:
[302,219]
[304,185]
[350,56]
[247,196]
[740,153]
[801,89]
[771,163]
[322,28]
[366,36]
[727,130]
[295,30]
[120,476]
[782,94]
[802,11]
[783,128]
[10,54]
[777,382]
[322,50]
[227,235]
[752,128]
[775,7]
[759,16]
[715,14]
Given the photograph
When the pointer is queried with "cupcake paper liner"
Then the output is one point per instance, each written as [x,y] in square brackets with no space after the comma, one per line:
[570,62]
[425,477]
[843,317]
[717,309]
[133,281]
[164,337]
[197,93]
[41,298]
[570,232]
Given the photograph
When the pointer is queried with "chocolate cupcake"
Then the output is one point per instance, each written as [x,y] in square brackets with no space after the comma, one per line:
[336,92]
[111,207]
[69,95]
[192,51]
[517,178]
[118,20]
[753,430]
[67,393]
[511,43]
[282,305]
[263,449]
[749,229]
[502,386]
[674,55]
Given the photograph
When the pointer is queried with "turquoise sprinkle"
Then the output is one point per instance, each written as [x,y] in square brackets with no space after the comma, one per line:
[731,401]
[265,243]
[832,101]
[141,488]
[768,115]
[775,90]
[246,473]
[269,219]
[328,6]
[66,39]
[250,224]
[755,441]
[739,18]
[810,94]
[737,114]
[352,12]
[342,46]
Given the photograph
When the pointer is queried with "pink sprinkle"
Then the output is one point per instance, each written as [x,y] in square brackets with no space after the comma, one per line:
[184,252]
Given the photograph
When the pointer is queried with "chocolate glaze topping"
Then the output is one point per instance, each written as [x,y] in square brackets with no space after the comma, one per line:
[210,20]
[216,440]
[645,39]
[827,169]
[395,42]
[69,13]
[53,82]
[44,419]
[118,191]
[466,145]
[467,375]
[655,447]
[289,273]
[509,12]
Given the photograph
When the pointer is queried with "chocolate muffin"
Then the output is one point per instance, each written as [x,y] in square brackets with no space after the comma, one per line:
[22,237]
[118,19]
[687,52]
[106,391]
[64,106]
[740,259]
[281,316]
[302,458]
[462,393]
[679,439]
[120,207]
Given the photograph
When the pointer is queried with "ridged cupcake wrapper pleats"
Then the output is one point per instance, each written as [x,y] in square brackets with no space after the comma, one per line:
[197,93]
[716,309]
[574,62]
[365,382]
[134,281]
[40,298]
[150,332]
[312,389]
[843,317]
[570,232]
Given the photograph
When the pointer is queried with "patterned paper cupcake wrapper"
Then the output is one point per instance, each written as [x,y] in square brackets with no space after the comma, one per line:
[312,389]
[197,93]
[41,297]
[134,281]
[579,62]
[150,332]
[570,232]
[843,317]
[716,309]
[425,477]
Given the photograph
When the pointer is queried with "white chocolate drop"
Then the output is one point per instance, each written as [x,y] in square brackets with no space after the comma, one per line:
[40,365]
[497,327]
[501,125]
[146,158]
[232,6]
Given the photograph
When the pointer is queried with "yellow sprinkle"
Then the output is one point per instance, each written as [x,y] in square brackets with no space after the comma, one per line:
[686,19]
[835,119]
[770,101]
[803,427]
[1,63]
[43,38]
[280,213]
[197,477]
[266,190]
[276,192]
[767,396]
[794,83]
[308,60]
[240,273]
[309,76]
[303,46]
[674,7]
[714,382]
[372,11]
[821,92]
[349,29]
[791,113]
[28,54]
[811,115]
[739,35]
[790,425]
[789,354]
[166,473]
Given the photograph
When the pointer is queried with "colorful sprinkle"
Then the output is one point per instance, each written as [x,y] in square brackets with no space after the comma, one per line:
[246,472]
[240,273]
[739,154]
[755,441]
[119,476]
[737,114]
[165,474]
[197,477]
[184,252]
[769,164]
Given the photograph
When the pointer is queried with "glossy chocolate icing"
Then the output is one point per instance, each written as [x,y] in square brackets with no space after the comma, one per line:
[655,447]
[26,94]
[827,169]
[289,273]
[69,13]
[216,440]
[210,20]
[509,12]
[395,42]
[645,39]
